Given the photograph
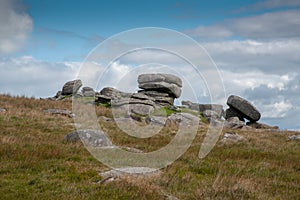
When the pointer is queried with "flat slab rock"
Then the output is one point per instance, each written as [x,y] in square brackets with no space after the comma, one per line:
[245,107]
[168,78]
[126,171]
[170,88]
[60,112]
[95,138]
[231,137]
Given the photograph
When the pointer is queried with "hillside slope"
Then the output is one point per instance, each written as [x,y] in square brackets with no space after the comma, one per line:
[36,162]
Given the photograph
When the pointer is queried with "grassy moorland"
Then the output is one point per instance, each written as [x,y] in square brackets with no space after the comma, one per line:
[35,162]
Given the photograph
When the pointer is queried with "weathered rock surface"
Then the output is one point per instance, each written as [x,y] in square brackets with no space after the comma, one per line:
[95,138]
[88,92]
[217,108]
[160,98]
[244,107]
[231,138]
[2,110]
[71,87]
[210,114]
[108,93]
[184,119]
[232,112]
[170,88]
[168,78]
[118,173]
[60,112]
[234,123]
[163,87]
[141,109]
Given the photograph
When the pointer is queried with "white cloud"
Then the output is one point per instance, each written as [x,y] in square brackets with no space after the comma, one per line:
[31,77]
[15,25]
[277,110]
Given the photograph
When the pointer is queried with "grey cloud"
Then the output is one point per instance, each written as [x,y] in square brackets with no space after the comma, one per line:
[271,4]
[275,57]
[272,25]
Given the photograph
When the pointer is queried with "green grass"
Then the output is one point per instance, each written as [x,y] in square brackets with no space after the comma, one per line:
[35,163]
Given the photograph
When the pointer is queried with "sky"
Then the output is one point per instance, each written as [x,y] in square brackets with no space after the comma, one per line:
[254,44]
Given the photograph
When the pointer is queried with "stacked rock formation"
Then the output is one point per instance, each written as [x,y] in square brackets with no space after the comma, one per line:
[157,90]
[241,108]
[163,88]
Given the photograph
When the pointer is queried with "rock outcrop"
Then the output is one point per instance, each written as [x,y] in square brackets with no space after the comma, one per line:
[71,87]
[208,108]
[164,88]
[157,90]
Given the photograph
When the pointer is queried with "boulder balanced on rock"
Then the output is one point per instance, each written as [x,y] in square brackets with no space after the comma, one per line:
[243,108]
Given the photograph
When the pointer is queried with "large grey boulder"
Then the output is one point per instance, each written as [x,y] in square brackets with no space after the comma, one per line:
[245,107]
[168,78]
[71,87]
[141,109]
[108,93]
[232,112]
[113,93]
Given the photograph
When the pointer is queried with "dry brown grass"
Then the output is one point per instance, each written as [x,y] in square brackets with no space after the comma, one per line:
[37,164]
